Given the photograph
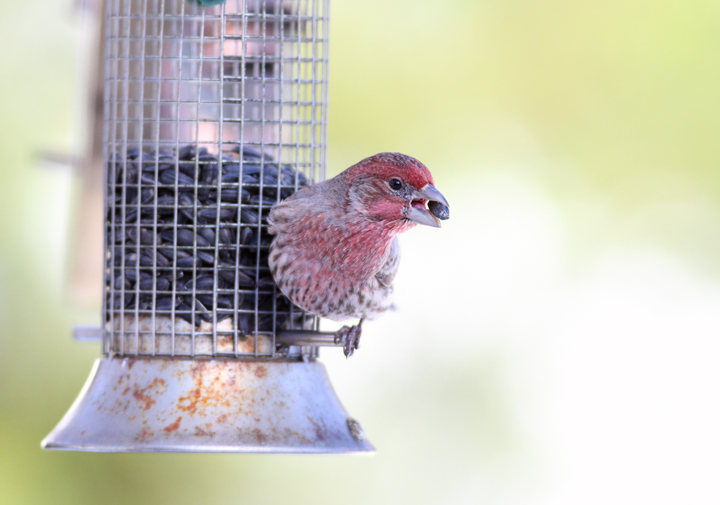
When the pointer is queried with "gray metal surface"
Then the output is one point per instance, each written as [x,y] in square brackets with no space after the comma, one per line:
[87,333]
[185,405]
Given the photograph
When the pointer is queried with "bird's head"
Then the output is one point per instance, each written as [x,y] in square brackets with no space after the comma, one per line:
[393,189]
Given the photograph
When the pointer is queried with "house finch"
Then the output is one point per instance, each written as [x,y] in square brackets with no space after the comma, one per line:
[335,251]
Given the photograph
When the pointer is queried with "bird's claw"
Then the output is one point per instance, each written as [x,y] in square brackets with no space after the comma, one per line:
[341,334]
[350,337]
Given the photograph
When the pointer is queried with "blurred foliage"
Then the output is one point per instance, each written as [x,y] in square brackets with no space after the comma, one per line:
[611,108]
[613,104]
[618,89]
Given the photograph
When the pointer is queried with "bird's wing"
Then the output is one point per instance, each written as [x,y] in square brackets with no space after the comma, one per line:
[387,271]
[291,209]
[301,204]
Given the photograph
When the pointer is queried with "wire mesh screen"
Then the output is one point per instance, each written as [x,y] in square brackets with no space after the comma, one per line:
[212,116]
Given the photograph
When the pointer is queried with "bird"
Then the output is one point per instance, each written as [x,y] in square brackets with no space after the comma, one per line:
[334,251]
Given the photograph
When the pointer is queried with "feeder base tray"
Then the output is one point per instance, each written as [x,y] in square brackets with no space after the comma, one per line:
[183,405]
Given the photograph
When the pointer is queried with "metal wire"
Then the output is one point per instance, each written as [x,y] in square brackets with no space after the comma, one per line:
[203,104]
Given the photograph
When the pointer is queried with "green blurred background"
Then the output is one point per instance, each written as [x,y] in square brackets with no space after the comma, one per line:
[557,340]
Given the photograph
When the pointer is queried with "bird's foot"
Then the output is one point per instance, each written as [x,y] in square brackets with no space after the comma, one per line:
[350,337]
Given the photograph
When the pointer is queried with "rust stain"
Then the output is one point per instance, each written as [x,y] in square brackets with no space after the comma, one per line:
[260,371]
[221,418]
[209,391]
[290,434]
[126,390]
[142,396]
[130,363]
[119,406]
[144,399]
[321,431]
[132,418]
[189,402]
[174,426]
[144,434]
[259,436]
[204,432]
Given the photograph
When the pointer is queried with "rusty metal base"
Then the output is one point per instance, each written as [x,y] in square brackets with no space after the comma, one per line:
[183,405]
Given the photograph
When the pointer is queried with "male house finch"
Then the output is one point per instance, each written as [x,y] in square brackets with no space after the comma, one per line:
[335,251]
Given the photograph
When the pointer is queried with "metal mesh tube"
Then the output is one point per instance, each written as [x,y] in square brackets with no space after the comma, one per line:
[212,115]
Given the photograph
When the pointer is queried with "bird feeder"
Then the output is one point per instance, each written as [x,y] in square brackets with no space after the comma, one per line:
[212,115]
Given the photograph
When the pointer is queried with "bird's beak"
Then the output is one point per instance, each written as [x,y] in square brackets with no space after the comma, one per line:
[418,212]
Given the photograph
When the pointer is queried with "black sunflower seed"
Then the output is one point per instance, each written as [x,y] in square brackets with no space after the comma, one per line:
[250,169]
[227,276]
[146,284]
[206,257]
[211,213]
[166,201]
[265,282]
[245,280]
[245,322]
[439,210]
[164,303]
[249,153]
[231,173]
[266,200]
[286,192]
[175,196]
[227,302]
[210,174]
[226,195]
[202,283]
[162,260]
[249,216]
[247,235]
[188,262]
[208,234]
[227,236]
[250,180]
[188,168]
[186,237]
[146,237]
[207,300]
[162,284]
[183,311]
[169,177]
[189,152]
[131,215]
[168,252]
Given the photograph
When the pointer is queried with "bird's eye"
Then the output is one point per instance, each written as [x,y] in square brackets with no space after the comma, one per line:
[395,184]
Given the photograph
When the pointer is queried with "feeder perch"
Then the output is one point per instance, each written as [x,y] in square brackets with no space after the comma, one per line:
[212,115]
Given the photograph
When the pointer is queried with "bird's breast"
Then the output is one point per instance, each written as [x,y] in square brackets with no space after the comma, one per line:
[330,271]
